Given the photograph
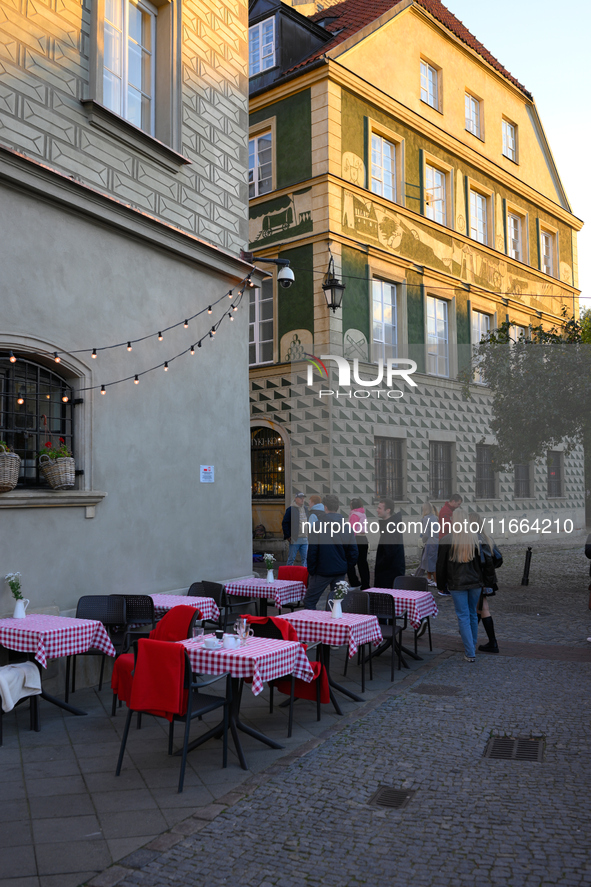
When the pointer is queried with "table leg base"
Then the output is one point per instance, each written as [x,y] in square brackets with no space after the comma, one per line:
[60,704]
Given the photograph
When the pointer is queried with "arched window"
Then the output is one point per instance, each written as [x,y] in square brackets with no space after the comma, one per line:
[267,464]
[32,412]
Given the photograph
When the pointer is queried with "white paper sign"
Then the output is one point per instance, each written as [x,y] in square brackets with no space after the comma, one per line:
[207,472]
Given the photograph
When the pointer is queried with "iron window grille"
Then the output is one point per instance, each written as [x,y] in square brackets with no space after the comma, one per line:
[389,467]
[440,470]
[267,459]
[554,473]
[41,417]
[485,473]
[522,482]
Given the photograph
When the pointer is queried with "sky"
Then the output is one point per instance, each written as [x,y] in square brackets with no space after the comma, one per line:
[546,47]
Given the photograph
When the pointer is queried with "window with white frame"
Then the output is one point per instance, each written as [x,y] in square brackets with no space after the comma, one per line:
[430,85]
[510,140]
[261,47]
[437,337]
[519,333]
[260,328]
[480,329]
[515,236]
[129,61]
[435,196]
[383,167]
[478,217]
[472,114]
[384,320]
[547,252]
[260,164]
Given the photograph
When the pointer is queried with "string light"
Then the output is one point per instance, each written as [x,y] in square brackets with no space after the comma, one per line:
[65,398]
[230,294]
[249,282]
[20,400]
[186,324]
[136,380]
[209,310]
[230,315]
[12,358]
[160,337]
[211,334]
[103,389]
[165,366]
[192,349]
[199,344]
[234,307]
[94,353]
[129,346]
[56,357]
[213,331]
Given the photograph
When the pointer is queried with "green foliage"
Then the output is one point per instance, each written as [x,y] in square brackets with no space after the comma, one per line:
[541,388]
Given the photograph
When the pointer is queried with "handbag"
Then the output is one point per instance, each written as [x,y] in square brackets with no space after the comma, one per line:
[497,557]
[487,566]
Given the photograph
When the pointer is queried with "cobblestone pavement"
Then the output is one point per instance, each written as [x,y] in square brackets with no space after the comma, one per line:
[472,820]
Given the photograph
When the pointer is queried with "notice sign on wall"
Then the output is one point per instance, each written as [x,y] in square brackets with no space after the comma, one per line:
[206,472]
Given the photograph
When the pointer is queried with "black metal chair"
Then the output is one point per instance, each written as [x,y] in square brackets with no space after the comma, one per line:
[111,611]
[140,618]
[415,583]
[383,606]
[226,602]
[197,590]
[356,601]
[198,704]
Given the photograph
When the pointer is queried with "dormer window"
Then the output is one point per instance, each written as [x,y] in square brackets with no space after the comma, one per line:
[261,47]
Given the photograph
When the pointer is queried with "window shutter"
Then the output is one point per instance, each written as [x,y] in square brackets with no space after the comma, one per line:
[366,150]
[422,181]
[539,236]
[467,202]
[505,224]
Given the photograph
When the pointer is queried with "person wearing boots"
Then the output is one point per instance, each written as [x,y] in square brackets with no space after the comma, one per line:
[488,591]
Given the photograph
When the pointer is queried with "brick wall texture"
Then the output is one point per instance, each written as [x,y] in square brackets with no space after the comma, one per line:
[44,73]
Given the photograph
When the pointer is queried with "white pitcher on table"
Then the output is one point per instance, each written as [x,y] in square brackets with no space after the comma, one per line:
[336,608]
[20,607]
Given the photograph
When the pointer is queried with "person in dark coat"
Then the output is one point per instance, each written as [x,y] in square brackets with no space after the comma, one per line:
[390,562]
[331,551]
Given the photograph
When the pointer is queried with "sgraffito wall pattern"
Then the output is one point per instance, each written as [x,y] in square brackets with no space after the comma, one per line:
[44,74]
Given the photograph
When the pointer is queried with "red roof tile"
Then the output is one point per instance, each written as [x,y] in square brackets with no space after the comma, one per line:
[347,18]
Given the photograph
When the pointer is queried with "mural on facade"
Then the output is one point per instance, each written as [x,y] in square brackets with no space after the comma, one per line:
[295,345]
[280,218]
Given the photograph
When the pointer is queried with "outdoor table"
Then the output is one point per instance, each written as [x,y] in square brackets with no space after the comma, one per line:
[353,629]
[416,605]
[206,605]
[281,591]
[262,659]
[52,637]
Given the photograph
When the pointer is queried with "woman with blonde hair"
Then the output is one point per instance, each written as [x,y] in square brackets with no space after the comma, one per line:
[458,569]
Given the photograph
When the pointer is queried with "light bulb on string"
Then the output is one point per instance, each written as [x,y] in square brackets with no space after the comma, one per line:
[230,294]
[136,380]
[230,315]
[129,346]
[65,398]
[160,337]
[249,282]
[199,343]
[165,366]
[234,307]
[209,310]
[20,400]
[93,353]
[192,349]
[186,324]
[103,389]
[56,357]
[213,331]
[12,358]
[211,334]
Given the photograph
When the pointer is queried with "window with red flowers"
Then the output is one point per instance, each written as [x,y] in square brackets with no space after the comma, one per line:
[33,414]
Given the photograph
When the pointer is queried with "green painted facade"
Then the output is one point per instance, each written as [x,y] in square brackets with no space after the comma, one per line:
[295,306]
[294,137]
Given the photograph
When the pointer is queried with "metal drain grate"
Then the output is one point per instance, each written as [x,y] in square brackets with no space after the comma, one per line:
[436,690]
[392,798]
[503,748]
[526,610]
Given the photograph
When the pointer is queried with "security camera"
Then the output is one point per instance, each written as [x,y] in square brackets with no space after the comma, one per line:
[285,277]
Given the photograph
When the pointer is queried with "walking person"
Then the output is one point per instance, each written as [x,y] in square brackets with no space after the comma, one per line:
[315,509]
[358,521]
[488,590]
[430,537]
[447,513]
[390,562]
[330,554]
[459,570]
[293,530]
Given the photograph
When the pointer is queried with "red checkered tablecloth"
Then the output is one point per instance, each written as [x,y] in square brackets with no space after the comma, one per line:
[418,604]
[50,637]
[282,591]
[261,659]
[353,629]
[164,602]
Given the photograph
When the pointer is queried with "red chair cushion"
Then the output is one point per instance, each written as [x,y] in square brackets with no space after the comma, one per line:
[304,690]
[121,677]
[158,679]
[297,574]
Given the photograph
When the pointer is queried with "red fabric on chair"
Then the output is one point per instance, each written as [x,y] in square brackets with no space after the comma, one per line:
[304,690]
[158,679]
[293,573]
[174,626]
[288,632]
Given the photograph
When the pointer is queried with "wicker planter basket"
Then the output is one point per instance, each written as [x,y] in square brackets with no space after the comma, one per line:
[10,465]
[59,473]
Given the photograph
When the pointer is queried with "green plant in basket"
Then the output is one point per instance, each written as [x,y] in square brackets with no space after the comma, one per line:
[14,583]
[341,590]
[60,451]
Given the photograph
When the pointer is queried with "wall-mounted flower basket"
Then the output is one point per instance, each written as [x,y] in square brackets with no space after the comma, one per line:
[10,465]
[59,473]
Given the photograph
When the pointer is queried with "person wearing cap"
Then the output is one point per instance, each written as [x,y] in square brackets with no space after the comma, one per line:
[293,520]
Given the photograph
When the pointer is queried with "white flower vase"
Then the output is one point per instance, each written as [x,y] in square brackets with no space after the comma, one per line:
[336,609]
[20,607]
[270,576]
